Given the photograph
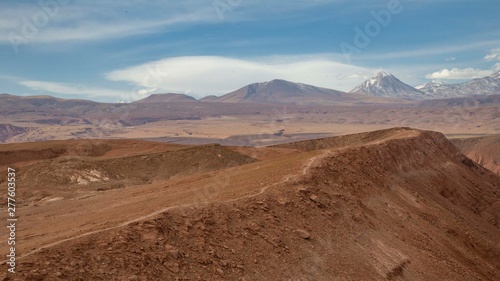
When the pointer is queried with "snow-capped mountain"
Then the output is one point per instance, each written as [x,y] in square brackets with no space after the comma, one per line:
[386,85]
[430,85]
[488,85]
[481,86]
[437,89]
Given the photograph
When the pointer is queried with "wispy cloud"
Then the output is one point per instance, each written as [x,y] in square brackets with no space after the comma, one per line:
[469,72]
[203,75]
[68,89]
[494,55]
[49,21]
[79,20]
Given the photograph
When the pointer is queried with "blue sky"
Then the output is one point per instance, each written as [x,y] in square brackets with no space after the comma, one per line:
[124,50]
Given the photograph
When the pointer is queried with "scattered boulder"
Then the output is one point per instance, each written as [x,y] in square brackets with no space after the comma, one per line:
[303,234]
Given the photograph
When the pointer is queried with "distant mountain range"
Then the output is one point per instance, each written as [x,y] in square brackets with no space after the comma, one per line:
[386,85]
[488,85]
[383,88]
[281,91]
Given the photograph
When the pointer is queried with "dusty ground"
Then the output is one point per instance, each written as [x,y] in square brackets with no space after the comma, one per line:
[397,204]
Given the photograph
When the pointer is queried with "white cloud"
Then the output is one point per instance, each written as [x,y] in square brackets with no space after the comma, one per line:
[204,75]
[494,55]
[468,73]
[96,20]
[97,31]
[145,92]
[86,20]
[71,89]
[459,73]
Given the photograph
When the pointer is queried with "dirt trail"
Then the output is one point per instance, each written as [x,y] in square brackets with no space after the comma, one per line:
[286,179]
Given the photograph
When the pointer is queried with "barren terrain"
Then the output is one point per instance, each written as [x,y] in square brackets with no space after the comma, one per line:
[396,204]
[29,119]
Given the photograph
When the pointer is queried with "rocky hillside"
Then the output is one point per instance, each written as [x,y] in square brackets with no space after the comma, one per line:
[483,150]
[7,131]
[401,205]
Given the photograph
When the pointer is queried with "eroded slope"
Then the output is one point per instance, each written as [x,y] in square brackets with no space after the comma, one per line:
[484,150]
